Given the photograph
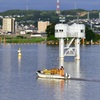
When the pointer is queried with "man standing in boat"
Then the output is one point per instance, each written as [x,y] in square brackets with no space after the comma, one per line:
[62,71]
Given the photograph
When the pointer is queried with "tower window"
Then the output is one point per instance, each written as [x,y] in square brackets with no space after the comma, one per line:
[82,31]
[60,30]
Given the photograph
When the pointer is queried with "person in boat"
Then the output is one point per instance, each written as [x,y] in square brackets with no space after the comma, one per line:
[62,67]
[62,71]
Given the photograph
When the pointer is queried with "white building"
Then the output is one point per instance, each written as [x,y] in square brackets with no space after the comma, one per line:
[8,25]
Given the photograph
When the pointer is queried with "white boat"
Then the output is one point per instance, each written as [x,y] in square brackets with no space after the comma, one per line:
[40,74]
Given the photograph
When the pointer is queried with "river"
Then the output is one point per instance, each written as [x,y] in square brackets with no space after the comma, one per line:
[18,79]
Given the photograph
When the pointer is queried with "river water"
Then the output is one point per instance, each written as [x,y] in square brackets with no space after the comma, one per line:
[18,79]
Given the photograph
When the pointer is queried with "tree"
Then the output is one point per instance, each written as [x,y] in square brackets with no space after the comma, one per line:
[90,35]
[50,32]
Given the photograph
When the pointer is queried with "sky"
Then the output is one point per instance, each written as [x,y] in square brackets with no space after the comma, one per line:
[49,4]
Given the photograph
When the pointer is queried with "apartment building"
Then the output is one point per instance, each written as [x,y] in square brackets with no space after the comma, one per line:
[8,25]
[42,25]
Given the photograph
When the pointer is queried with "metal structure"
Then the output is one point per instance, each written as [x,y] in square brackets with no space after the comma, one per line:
[88,16]
[75,32]
[58,8]
[99,17]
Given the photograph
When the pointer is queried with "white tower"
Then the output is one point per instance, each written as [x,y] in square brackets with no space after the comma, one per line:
[74,31]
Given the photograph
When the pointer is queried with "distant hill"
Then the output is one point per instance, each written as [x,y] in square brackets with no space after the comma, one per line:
[32,16]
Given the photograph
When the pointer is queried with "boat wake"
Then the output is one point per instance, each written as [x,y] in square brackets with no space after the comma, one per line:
[87,80]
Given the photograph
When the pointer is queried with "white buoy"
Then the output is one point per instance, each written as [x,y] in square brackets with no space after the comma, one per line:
[19,52]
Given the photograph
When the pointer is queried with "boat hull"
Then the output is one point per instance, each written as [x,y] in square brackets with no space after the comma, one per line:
[55,76]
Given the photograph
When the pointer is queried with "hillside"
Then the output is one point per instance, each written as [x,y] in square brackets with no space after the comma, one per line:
[32,16]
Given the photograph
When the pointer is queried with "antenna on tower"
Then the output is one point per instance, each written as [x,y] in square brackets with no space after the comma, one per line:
[58,8]
[99,17]
[61,17]
[77,13]
[88,15]
[27,5]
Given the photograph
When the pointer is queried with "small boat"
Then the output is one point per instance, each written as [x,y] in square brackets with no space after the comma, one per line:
[53,74]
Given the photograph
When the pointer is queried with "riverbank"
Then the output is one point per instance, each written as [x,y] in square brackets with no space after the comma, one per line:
[21,39]
[26,39]
[49,43]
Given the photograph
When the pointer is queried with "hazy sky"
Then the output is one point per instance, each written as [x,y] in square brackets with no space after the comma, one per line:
[49,4]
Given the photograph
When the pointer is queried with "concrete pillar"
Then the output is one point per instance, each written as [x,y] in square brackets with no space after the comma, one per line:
[61,52]
[77,48]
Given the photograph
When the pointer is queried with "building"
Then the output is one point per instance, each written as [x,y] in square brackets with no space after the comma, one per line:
[8,25]
[42,25]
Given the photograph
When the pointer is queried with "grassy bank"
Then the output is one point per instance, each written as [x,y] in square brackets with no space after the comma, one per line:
[21,39]
[31,40]
[27,39]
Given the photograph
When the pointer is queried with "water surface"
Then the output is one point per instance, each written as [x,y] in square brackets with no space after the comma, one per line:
[18,78]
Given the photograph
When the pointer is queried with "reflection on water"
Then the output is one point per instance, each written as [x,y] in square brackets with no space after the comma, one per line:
[73,68]
[57,86]
[6,60]
[19,63]
[5,74]
[42,56]
[61,62]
